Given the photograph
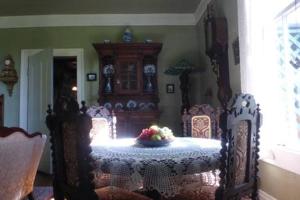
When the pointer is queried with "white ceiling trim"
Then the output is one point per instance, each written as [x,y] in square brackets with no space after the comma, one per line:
[201,9]
[98,20]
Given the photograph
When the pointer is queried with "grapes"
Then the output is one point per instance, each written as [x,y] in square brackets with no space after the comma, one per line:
[155,133]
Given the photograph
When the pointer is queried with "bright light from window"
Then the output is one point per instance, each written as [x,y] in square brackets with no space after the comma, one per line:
[271,72]
[100,131]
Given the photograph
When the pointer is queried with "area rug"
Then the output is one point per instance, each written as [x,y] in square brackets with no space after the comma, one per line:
[42,193]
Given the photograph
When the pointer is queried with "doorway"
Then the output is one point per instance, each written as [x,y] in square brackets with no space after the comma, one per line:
[37,88]
[64,76]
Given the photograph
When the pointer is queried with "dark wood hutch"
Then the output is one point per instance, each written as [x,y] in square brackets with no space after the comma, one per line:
[128,84]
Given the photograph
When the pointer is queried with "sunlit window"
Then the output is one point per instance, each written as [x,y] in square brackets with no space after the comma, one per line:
[100,131]
[270,66]
[288,73]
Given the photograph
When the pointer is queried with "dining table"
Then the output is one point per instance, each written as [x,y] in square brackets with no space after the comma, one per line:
[154,168]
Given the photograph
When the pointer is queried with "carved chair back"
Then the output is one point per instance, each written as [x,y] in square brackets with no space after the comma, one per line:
[201,121]
[72,165]
[103,122]
[239,153]
[20,154]
[201,126]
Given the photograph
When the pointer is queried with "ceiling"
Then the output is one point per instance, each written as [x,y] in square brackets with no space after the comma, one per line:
[45,7]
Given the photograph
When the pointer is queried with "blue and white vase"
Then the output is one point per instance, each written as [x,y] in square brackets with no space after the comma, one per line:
[127,35]
[108,87]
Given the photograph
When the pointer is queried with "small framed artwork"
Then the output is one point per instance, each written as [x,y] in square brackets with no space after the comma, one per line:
[170,88]
[91,77]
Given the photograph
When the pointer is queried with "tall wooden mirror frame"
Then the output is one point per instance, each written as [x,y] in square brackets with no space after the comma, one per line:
[216,44]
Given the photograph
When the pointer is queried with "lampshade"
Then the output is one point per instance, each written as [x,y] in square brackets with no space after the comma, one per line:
[179,67]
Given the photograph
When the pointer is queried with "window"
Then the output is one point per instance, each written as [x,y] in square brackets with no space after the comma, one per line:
[288,73]
[270,67]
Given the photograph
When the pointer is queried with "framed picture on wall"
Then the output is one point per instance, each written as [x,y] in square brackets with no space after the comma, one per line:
[170,88]
[91,77]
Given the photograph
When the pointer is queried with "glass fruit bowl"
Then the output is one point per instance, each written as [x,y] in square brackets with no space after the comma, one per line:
[155,137]
[151,143]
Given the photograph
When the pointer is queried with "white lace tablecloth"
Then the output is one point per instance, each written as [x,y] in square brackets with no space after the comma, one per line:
[160,168]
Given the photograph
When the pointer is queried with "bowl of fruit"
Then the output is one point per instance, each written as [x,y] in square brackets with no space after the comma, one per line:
[155,136]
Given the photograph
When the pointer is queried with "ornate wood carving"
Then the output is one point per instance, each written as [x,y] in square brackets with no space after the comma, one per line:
[216,36]
[198,110]
[240,124]
[64,140]
[201,126]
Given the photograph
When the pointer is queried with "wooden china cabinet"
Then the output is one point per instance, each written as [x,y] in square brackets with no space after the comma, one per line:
[128,84]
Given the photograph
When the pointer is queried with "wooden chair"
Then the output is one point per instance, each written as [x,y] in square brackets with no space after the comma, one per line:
[20,154]
[239,155]
[103,122]
[72,161]
[201,121]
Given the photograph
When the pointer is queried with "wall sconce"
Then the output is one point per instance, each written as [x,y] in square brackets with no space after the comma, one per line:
[8,75]
[216,44]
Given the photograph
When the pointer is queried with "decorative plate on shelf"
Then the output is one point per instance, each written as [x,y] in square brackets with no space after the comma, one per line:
[131,104]
[108,105]
[142,106]
[119,106]
[150,105]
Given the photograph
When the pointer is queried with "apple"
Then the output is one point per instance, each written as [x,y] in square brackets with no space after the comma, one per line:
[156,137]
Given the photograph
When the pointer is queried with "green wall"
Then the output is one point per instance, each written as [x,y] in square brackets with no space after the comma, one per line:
[178,42]
[279,183]
[208,80]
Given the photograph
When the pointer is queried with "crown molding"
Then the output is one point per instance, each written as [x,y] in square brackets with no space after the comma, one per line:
[98,20]
[154,19]
[201,9]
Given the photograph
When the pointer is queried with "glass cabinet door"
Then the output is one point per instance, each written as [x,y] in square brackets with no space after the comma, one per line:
[128,77]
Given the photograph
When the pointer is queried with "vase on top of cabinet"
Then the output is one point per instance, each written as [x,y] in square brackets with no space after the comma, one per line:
[132,78]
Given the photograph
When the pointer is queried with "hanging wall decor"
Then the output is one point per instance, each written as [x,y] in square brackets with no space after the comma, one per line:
[216,45]
[8,75]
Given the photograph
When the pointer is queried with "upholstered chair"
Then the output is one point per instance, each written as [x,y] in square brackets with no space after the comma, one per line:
[239,154]
[103,123]
[20,154]
[201,121]
[73,166]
